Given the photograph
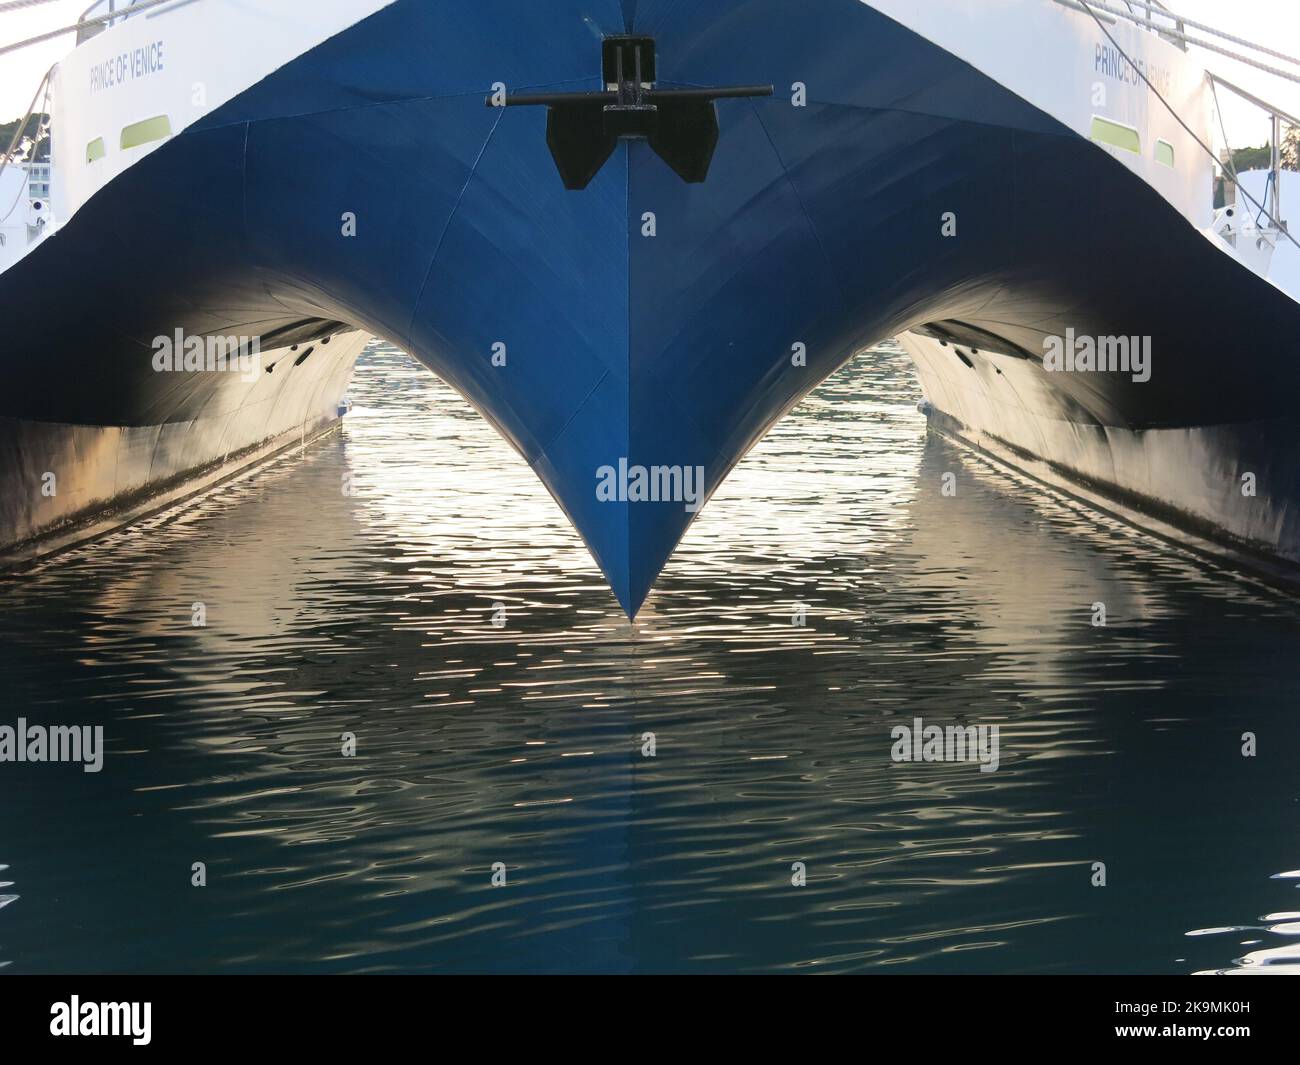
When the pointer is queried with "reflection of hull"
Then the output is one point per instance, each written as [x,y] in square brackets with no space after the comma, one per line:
[364,182]
[1005,569]
[63,483]
[1184,484]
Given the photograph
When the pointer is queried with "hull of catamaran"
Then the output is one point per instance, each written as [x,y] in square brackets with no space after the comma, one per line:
[979,179]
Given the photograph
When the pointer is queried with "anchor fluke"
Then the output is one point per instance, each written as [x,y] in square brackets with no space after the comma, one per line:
[584,128]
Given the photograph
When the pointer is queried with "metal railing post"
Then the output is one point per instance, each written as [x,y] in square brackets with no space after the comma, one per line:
[1276,209]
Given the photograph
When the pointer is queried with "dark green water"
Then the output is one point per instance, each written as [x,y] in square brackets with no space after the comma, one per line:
[371,613]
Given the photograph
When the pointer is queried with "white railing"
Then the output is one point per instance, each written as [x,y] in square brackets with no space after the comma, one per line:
[1150,14]
[1158,19]
[105,13]
[21,143]
[22,147]
[94,20]
[87,29]
[1277,119]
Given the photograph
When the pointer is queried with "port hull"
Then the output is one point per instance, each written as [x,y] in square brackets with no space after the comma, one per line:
[62,484]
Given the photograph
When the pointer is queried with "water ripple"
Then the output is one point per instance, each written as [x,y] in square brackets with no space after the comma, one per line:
[366,617]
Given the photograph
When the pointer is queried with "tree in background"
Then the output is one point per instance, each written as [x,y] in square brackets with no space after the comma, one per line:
[1260,158]
[1291,149]
[34,144]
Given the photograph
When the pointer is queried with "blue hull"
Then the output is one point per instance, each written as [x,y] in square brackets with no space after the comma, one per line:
[817,226]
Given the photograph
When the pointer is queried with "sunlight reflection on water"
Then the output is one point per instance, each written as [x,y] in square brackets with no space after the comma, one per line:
[371,614]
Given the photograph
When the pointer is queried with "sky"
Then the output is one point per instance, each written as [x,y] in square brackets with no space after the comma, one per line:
[1275,23]
[1272,23]
[21,72]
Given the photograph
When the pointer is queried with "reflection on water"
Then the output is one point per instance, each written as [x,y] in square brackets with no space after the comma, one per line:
[352,589]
